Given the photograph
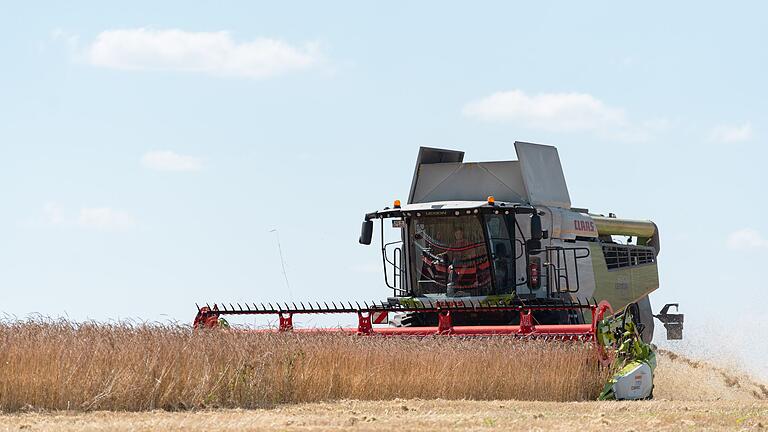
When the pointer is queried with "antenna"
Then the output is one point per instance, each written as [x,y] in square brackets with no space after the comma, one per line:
[282,262]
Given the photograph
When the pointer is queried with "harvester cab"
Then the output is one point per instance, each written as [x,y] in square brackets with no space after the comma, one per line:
[505,232]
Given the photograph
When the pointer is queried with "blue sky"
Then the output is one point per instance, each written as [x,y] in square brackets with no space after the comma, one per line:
[146,151]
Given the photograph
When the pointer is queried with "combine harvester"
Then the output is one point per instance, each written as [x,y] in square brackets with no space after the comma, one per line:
[496,249]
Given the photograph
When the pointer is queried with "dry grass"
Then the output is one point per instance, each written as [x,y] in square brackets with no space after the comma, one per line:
[62,365]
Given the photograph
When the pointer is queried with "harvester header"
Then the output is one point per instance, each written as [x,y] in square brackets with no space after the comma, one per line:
[369,313]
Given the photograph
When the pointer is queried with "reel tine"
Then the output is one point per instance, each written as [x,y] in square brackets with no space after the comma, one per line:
[198,307]
[358,305]
[302,305]
[240,307]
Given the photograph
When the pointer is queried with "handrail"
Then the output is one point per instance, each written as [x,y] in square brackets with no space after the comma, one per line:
[557,265]
[396,264]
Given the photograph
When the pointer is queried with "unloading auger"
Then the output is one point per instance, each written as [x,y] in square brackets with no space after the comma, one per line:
[495,249]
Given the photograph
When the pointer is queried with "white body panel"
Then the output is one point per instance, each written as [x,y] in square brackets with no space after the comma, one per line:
[561,224]
[635,384]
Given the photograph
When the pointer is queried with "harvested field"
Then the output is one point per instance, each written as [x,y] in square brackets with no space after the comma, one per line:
[419,415]
[59,365]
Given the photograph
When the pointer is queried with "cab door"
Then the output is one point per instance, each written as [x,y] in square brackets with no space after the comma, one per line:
[502,253]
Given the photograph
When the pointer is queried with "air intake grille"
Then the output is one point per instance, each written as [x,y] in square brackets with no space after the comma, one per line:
[620,256]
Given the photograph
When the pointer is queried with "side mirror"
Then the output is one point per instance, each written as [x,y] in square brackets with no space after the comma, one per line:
[536,232]
[366,232]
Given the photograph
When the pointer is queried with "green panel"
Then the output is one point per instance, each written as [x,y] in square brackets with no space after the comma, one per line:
[621,286]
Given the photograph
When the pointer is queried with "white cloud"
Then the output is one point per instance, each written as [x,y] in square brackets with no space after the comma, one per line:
[165,160]
[213,53]
[563,112]
[746,238]
[105,219]
[732,133]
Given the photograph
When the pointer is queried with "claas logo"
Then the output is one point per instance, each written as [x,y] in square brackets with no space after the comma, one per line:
[581,225]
